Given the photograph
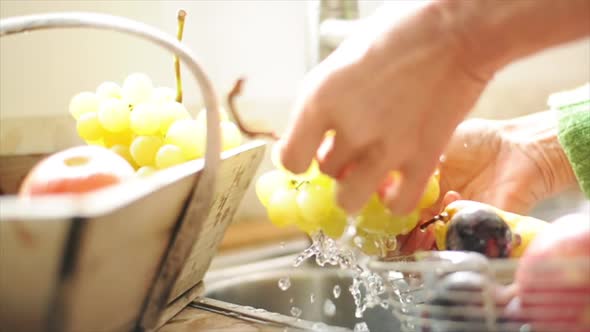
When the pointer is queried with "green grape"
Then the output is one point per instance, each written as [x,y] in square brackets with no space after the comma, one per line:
[268,182]
[374,216]
[402,225]
[202,116]
[163,94]
[144,148]
[89,127]
[231,137]
[370,244]
[334,224]
[145,171]
[108,90]
[169,113]
[312,172]
[145,119]
[98,142]
[189,136]
[282,207]
[114,115]
[121,138]
[123,151]
[315,202]
[82,103]
[137,88]
[169,155]
[431,193]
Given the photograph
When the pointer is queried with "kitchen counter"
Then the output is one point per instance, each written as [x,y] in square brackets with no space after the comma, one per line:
[193,319]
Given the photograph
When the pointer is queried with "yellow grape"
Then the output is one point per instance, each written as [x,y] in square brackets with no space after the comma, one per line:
[114,115]
[431,193]
[282,207]
[82,103]
[163,94]
[169,113]
[202,116]
[97,142]
[145,171]
[123,151]
[89,127]
[189,136]
[369,243]
[231,137]
[312,172]
[137,88]
[334,224]
[144,148]
[145,119]
[121,138]
[376,218]
[169,155]
[268,182]
[402,225]
[108,90]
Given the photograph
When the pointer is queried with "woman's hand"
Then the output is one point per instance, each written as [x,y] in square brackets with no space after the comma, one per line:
[510,164]
[393,94]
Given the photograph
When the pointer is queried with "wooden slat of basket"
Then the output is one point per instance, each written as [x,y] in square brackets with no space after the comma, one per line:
[30,262]
[202,233]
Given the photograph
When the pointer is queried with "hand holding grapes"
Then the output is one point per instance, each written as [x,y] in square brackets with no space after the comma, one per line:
[395,92]
[510,164]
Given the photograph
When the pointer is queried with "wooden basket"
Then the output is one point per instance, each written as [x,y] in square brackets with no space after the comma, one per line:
[124,258]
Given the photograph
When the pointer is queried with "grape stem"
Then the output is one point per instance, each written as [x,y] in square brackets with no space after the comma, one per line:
[444,216]
[235,91]
[181,16]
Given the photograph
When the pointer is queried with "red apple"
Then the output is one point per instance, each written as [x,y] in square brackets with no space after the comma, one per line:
[553,277]
[76,170]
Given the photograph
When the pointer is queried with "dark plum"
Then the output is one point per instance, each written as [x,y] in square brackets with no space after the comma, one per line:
[480,230]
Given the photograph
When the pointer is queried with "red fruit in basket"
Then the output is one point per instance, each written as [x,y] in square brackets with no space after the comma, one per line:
[553,277]
[76,170]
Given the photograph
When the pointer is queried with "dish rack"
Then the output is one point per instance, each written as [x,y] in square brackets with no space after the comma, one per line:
[451,291]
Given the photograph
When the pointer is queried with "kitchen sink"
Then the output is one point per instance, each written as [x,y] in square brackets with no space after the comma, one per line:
[306,300]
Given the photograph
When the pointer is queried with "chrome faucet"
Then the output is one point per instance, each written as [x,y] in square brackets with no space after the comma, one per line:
[329,22]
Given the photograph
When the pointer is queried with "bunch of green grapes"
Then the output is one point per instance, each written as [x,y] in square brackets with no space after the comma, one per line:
[145,124]
[308,202]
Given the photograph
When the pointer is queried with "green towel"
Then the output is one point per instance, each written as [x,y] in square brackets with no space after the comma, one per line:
[574,131]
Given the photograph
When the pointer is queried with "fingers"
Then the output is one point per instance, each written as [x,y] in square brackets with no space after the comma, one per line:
[337,159]
[403,198]
[358,186]
[302,140]
[450,197]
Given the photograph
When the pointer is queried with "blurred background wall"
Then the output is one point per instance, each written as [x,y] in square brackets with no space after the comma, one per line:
[266,41]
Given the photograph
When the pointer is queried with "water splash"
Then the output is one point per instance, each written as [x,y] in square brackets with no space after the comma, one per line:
[329,308]
[312,298]
[296,312]
[336,291]
[319,326]
[284,283]
[361,327]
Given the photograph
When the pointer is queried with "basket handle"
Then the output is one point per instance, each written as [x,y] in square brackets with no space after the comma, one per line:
[202,195]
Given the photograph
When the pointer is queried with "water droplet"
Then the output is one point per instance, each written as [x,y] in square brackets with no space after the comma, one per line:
[291,300]
[329,308]
[442,158]
[358,241]
[284,283]
[295,312]
[465,145]
[336,291]
[283,245]
[319,327]
[361,327]
[312,298]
